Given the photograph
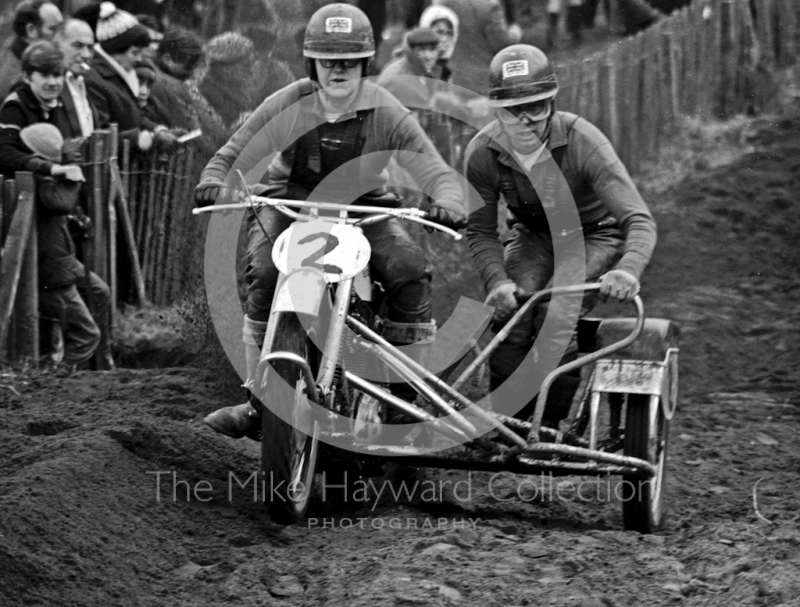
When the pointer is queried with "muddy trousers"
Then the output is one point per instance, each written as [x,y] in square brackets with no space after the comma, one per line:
[546,336]
[397,262]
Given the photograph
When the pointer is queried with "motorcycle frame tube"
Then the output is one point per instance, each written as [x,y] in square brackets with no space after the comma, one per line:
[420,386]
[333,340]
[391,400]
[521,465]
[462,401]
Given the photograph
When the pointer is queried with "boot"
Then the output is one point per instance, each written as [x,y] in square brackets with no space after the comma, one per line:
[243,420]
[237,421]
[403,334]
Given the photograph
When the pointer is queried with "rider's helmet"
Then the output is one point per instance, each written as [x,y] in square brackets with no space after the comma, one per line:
[521,73]
[338,31]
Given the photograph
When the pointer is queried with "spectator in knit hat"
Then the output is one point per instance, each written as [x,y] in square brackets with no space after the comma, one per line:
[112,82]
[33,20]
[236,82]
[64,286]
[35,98]
[230,62]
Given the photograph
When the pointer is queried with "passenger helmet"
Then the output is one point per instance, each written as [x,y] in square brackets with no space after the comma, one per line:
[521,73]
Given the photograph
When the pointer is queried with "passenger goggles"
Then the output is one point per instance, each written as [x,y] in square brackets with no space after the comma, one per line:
[347,64]
[535,111]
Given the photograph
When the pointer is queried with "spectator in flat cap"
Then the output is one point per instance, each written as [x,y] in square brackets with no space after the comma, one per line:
[64,285]
[410,76]
[413,78]
[33,20]
[112,82]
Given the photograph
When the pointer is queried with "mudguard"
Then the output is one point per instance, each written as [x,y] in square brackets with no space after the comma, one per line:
[300,291]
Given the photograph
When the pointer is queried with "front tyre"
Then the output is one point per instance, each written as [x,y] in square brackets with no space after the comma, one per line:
[646,437]
[288,450]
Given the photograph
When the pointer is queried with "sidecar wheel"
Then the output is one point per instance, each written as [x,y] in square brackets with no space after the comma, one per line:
[646,437]
[288,451]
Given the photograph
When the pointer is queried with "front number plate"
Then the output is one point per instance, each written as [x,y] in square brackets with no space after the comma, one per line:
[337,250]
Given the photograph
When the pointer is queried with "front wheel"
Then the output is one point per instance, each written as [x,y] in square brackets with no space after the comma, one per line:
[646,437]
[288,450]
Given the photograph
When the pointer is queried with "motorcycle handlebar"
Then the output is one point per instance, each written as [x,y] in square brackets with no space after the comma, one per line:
[380,212]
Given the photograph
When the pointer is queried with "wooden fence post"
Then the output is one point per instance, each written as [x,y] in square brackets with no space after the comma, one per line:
[112,144]
[100,261]
[9,204]
[15,250]
[27,303]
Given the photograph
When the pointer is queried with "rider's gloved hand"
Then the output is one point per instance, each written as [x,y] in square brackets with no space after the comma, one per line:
[502,298]
[207,192]
[618,284]
[443,217]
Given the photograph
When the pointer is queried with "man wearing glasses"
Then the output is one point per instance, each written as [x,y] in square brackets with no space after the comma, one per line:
[337,128]
[573,211]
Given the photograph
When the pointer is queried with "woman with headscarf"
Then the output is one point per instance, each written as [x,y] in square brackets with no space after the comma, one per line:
[444,22]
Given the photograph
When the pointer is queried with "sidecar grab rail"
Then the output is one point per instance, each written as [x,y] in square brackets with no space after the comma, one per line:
[506,330]
[536,422]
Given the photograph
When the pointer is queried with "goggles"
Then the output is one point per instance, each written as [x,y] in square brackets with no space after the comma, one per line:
[535,111]
[347,64]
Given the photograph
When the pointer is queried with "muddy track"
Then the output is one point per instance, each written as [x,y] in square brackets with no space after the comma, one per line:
[95,468]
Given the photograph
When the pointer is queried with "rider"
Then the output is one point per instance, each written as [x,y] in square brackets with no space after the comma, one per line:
[574,216]
[337,136]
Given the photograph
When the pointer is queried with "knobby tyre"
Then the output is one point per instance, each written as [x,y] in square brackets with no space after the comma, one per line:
[646,437]
[288,450]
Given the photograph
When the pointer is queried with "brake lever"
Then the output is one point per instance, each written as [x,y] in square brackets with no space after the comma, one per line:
[434,225]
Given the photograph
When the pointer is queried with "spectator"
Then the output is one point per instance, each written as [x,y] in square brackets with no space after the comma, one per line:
[33,20]
[64,284]
[76,41]
[146,73]
[575,20]
[444,22]
[274,73]
[155,30]
[417,61]
[177,59]
[33,99]
[483,23]
[175,92]
[112,83]
[414,79]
